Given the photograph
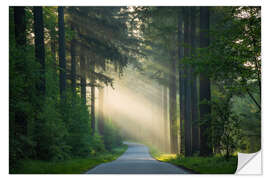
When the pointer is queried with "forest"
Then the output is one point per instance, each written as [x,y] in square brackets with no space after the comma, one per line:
[185,81]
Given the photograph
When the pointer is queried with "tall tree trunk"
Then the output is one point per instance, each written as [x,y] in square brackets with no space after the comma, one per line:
[187,83]
[19,125]
[40,57]
[160,119]
[194,100]
[93,121]
[165,118]
[20,25]
[181,85]
[205,92]
[73,63]
[100,109]
[62,55]
[20,37]
[83,77]
[39,47]
[173,118]
[152,136]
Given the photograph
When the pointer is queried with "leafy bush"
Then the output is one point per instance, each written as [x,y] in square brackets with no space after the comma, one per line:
[112,138]
[51,133]
[226,131]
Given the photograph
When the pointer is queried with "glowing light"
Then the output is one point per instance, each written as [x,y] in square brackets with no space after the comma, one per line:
[136,110]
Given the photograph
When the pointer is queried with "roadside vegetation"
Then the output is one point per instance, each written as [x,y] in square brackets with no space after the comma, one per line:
[199,165]
[72,166]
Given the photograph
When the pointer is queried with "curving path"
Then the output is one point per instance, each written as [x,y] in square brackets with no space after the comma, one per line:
[136,160]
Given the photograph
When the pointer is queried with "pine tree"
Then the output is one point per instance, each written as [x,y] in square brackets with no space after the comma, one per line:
[194,101]
[62,54]
[187,84]
[181,74]
[73,62]
[20,25]
[172,100]
[39,47]
[205,91]
[165,118]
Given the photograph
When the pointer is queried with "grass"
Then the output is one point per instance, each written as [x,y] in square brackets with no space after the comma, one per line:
[201,165]
[72,166]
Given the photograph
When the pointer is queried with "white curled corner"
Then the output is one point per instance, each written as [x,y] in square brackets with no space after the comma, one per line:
[249,163]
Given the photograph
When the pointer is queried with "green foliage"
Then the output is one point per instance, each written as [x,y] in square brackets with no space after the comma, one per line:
[101,32]
[207,165]
[250,124]
[234,55]
[158,27]
[112,136]
[78,124]
[42,128]
[72,166]
[233,63]
[21,102]
[199,165]
[97,144]
[51,133]
[225,125]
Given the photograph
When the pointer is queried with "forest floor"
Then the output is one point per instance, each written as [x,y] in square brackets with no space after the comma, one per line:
[137,160]
[199,165]
[72,166]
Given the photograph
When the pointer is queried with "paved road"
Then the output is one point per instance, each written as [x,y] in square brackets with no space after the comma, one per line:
[136,160]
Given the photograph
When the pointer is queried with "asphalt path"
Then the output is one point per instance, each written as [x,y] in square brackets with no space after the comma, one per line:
[136,160]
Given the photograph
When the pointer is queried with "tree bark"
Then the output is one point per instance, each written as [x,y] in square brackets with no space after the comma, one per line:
[39,48]
[100,109]
[20,38]
[20,25]
[194,98]
[173,118]
[188,143]
[181,87]
[73,63]
[40,58]
[93,121]
[205,91]
[62,55]
[83,77]
[165,118]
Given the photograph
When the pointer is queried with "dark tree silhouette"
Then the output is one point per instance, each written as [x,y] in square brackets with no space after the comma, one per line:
[62,54]
[172,98]
[194,100]
[83,76]
[187,83]
[73,63]
[205,91]
[20,25]
[39,47]
[20,37]
[181,74]
[93,121]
